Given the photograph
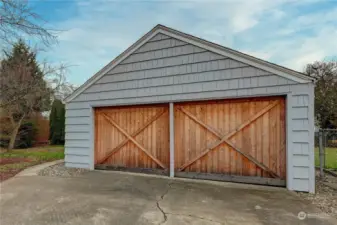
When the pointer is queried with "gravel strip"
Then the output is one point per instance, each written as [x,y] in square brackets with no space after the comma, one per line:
[325,197]
[59,170]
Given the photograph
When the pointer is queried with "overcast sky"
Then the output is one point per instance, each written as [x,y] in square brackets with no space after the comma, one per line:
[287,32]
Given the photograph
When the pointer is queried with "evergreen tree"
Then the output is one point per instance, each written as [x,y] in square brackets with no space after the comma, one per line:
[56,123]
[23,88]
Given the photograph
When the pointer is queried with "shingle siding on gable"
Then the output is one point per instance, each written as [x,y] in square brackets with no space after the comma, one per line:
[166,69]
[176,70]
[159,37]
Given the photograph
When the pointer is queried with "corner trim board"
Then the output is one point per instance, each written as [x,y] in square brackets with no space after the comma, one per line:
[92,139]
[289,162]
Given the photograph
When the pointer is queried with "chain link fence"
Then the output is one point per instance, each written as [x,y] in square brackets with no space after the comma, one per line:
[326,149]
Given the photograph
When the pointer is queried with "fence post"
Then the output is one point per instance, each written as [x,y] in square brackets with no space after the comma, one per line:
[325,143]
[321,153]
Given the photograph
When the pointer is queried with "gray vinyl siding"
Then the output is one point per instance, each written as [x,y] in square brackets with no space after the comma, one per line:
[162,44]
[302,137]
[168,70]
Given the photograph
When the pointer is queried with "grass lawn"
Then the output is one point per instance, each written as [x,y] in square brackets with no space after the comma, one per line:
[330,158]
[18,159]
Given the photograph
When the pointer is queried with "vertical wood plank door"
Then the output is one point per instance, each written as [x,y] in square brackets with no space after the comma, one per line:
[240,137]
[132,137]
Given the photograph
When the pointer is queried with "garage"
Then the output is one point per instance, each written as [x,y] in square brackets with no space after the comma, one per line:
[187,107]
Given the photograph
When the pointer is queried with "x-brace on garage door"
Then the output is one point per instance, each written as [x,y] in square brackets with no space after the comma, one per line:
[132,137]
[243,139]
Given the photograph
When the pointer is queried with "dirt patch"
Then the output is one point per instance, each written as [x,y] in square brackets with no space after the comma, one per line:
[8,174]
[325,197]
[16,160]
[5,161]
[10,170]
[332,172]
[9,167]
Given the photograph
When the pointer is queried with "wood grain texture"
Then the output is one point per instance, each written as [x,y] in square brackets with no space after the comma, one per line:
[244,137]
[127,153]
[132,137]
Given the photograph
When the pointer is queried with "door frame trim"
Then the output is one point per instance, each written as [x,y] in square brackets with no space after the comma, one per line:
[171,122]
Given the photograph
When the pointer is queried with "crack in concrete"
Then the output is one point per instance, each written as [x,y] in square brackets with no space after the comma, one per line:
[179,214]
[162,211]
[158,205]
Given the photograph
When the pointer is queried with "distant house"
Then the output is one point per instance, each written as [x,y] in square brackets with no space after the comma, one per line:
[191,108]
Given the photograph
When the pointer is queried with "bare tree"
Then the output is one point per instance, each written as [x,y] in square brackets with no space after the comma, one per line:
[26,86]
[325,92]
[17,19]
[64,90]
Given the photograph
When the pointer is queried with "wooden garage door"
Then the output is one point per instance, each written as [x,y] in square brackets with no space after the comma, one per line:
[132,137]
[244,137]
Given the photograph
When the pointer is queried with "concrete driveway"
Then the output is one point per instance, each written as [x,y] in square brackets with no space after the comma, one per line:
[101,198]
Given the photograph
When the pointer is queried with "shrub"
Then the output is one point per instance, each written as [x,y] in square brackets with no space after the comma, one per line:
[26,135]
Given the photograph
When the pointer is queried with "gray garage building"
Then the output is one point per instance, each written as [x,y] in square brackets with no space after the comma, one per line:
[187,107]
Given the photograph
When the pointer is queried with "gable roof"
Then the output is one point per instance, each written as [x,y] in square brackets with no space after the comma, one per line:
[216,48]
